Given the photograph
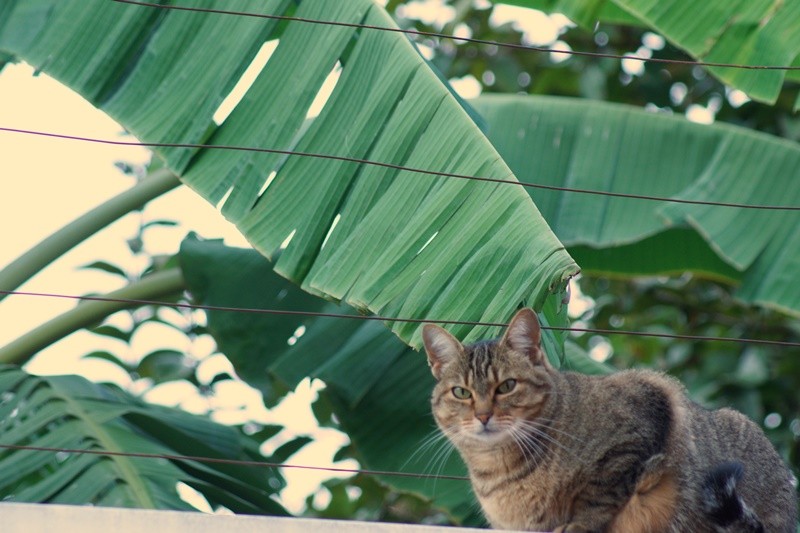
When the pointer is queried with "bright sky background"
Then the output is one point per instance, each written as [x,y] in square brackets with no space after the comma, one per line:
[48,182]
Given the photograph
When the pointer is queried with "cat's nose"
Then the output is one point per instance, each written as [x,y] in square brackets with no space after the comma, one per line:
[483,417]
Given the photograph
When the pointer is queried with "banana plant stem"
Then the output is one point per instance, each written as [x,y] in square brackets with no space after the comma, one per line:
[51,248]
[153,287]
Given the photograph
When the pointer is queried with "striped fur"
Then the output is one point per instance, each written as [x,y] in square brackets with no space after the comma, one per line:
[559,451]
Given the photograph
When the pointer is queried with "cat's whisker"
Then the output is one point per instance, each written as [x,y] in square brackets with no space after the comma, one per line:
[441,445]
[434,438]
[536,431]
[548,423]
[439,459]
[442,449]
[529,449]
[475,505]
[542,433]
[533,443]
[545,425]
[444,458]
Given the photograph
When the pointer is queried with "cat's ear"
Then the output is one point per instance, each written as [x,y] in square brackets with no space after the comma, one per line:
[441,347]
[524,336]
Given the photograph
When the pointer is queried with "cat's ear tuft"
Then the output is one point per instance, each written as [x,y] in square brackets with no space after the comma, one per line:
[441,347]
[524,336]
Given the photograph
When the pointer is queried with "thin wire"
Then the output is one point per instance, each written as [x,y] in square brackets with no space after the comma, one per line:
[455,38]
[262,464]
[180,305]
[401,168]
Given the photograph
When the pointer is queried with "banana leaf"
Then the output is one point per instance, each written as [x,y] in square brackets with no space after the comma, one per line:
[580,144]
[387,241]
[72,413]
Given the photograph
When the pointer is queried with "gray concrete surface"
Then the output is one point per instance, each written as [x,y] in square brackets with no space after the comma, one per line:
[36,518]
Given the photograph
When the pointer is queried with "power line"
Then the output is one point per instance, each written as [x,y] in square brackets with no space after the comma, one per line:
[317,314]
[455,38]
[402,168]
[237,462]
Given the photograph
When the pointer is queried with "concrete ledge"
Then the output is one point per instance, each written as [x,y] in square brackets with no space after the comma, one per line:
[42,518]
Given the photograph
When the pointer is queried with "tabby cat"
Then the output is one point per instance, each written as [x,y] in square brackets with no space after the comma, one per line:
[629,452]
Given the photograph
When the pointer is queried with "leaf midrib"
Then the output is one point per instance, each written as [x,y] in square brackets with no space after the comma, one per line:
[124,465]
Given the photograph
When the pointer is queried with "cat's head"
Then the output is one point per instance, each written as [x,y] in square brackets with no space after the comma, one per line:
[488,391]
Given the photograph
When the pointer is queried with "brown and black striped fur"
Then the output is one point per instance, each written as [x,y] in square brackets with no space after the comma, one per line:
[629,452]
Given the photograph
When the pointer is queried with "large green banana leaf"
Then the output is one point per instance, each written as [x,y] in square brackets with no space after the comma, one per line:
[71,412]
[743,32]
[395,243]
[610,147]
[379,388]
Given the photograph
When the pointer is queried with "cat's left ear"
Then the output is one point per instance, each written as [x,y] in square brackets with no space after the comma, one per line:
[524,336]
[441,347]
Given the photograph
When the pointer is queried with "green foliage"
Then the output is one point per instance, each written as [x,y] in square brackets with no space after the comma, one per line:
[722,31]
[363,498]
[370,375]
[619,149]
[71,412]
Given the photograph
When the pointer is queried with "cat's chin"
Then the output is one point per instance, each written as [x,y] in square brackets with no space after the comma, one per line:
[484,436]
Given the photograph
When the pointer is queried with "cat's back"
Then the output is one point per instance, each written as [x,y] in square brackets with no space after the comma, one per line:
[628,398]
[694,441]
[704,439]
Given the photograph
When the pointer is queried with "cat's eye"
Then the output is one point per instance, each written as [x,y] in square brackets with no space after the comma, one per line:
[507,386]
[461,393]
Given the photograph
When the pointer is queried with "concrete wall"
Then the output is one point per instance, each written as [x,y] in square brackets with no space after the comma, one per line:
[34,518]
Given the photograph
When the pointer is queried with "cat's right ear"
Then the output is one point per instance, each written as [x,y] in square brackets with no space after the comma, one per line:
[524,336]
[441,347]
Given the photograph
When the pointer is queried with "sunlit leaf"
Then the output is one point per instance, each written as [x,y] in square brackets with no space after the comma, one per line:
[165,365]
[107,330]
[111,358]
